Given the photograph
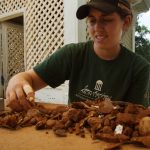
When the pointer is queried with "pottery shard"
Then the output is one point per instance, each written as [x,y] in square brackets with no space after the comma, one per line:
[144,126]
[126,118]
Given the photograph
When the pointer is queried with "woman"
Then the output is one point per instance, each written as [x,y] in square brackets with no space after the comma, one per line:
[98,68]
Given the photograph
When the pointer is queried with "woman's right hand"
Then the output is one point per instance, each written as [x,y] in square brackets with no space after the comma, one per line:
[16,93]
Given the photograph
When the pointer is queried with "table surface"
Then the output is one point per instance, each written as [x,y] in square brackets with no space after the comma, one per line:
[28,138]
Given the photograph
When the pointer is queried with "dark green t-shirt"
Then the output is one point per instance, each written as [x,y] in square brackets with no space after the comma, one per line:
[90,77]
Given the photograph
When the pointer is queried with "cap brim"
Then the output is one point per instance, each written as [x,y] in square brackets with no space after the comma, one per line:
[83,10]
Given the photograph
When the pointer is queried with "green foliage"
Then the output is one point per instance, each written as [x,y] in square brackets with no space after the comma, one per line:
[142,44]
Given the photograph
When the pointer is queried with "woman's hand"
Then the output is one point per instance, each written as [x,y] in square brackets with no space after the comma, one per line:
[18,91]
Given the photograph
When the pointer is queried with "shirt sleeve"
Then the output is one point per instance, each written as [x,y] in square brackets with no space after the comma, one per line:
[56,68]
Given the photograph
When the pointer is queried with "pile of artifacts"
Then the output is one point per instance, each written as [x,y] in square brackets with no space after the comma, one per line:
[116,122]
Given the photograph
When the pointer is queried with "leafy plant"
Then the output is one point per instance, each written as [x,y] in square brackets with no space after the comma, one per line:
[142,43]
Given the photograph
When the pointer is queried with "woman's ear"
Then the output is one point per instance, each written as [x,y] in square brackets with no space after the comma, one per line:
[127,22]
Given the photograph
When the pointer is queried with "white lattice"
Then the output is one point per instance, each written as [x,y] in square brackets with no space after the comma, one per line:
[15,49]
[44,26]
[11,5]
[44,29]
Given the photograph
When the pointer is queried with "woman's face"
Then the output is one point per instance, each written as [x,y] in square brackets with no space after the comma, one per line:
[105,29]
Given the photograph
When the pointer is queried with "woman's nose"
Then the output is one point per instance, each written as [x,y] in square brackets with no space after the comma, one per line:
[99,24]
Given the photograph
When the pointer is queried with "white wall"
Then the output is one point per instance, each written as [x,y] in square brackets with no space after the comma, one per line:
[74,29]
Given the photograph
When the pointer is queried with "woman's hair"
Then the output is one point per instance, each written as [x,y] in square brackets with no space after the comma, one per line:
[123,13]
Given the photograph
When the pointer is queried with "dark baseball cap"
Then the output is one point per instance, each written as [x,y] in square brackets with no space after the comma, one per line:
[106,6]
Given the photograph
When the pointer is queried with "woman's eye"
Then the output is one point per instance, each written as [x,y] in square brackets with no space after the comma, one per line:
[107,20]
[92,21]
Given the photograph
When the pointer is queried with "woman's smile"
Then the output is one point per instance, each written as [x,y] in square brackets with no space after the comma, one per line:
[100,38]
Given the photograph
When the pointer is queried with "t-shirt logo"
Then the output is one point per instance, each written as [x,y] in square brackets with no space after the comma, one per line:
[98,85]
[87,93]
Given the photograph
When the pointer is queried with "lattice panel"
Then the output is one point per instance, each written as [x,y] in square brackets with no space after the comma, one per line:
[15,52]
[44,29]
[11,5]
[44,26]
